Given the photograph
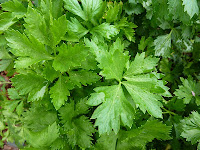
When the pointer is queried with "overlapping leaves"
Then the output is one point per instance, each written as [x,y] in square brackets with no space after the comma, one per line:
[141,82]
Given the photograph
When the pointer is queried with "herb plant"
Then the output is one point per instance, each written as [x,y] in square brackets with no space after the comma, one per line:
[104,75]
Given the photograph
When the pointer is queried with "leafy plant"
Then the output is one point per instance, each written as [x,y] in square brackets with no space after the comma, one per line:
[94,74]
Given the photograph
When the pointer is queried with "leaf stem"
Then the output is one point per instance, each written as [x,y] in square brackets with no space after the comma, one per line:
[5,82]
[168,112]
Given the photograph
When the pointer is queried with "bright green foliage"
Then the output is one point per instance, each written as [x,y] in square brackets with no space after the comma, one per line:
[127,28]
[111,62]
[75,29]
[114,11]
[106,142]
[77,127]
[59,92]
[114,108]
[95,74]
[191,128]
[176,6]
[49,72]
[191,7]
[36,26]
[114,66]
[31,84]
[141,84]
[74,7]
[13,94]
[68,57]
[163,45]
[83,77]
[188,91]
[43,138]
[151,130]
[90,10]
[16,7]
[34,123]
[106,30]
[4,64]
[30,50]
[6,20]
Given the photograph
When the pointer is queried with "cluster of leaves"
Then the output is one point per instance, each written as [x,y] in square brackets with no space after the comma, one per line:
[94,74]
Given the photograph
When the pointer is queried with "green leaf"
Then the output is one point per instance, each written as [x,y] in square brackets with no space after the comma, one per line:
[81,131]
[51,9]
[139,137]
[4,64]
[13,94]
[37,118]
[163,45]
[50,73]
[105,30]
[59,92]
[111,62]
[47,32]
[91,9]
[57,8]
[176,6]
[4,54]
[112,65]
[20,108]
[35,25]
[188,91]
[145,43]
[141,65]
[114,11]
[69,57]
[114,108]
[146,100]
[144,86]
[31,50]
[133,8]
[158,12]
[31,84]
[43,138]
[9,106]
[90,63]
[7,19]
[58,28]
[78,127]
[83,77]
[75,28]
[191,7]
[15,7]
[191,128]
[74,7]
[127,28]
[60,144]
[106,142]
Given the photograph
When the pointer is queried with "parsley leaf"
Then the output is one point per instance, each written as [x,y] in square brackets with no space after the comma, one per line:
[31,84]
[43,138]
[69,57]
[146,133]
[163,45]
[114,108]
[30,49]
[191,7]
[78,127]
[191,128]
[189,90]
[59,92]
